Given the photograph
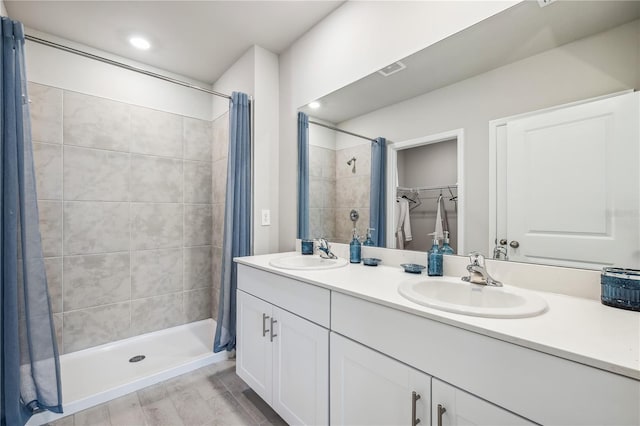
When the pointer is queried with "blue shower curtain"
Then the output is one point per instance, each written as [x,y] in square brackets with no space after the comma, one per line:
[303,175]
[237,218]
[29,363]
[378,196]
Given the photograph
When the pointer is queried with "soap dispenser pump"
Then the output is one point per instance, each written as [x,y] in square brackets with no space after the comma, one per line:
[434,259]
[369,240]
[446,248]
[355,248]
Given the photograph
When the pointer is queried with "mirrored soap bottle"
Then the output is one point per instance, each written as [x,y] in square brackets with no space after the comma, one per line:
[355,248]
[369,240]
[434,259]
[446,248]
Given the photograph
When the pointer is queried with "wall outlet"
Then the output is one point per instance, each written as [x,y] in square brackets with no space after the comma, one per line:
[266,217]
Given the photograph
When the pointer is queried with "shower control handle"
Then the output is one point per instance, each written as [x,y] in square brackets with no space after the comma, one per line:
[273,321]
[265,317]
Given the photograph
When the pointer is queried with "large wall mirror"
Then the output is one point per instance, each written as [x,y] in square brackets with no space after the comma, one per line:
[496,89]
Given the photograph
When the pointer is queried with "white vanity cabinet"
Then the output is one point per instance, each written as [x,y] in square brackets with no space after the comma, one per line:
[451,406]
[283,356]
[368,388]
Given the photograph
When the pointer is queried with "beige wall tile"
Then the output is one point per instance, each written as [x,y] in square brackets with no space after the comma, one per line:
[218,212]
[155,132]
[95,326]
[95,227]
[219,177]
[96,280]
[47,159]
[96,122]
[46,113]
[156,313]
[95,175]
[155,272]
[57,325]
[198,263]
[156,179]
[216,267]
[53,268]
[156,226]
[220,134]
[197,182]
[197,139]
[197,304]
[51,227]
[198,225]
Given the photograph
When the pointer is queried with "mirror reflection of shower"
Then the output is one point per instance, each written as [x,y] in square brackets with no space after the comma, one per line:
[353,160]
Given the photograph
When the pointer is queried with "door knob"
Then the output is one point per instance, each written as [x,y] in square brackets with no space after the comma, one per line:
[514,244]
[503,242]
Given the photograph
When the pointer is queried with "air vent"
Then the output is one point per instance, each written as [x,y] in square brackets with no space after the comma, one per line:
[392,69]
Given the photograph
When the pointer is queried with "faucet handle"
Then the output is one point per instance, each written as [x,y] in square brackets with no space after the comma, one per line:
[476,259]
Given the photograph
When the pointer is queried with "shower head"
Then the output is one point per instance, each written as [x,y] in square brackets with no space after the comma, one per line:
[353,159]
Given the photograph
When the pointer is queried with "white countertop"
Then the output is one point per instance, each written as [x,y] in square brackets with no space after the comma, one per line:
[573,328]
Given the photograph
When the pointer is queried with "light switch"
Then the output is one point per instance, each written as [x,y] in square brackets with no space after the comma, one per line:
[266,217]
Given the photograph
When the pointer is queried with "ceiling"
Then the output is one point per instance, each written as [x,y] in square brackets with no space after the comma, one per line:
[517,33]
[197,39]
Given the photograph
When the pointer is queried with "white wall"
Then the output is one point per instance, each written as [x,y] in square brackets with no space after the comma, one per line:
[54,67]
[355,40]
[256,73]
[3,9]
[321,136]
[597,65]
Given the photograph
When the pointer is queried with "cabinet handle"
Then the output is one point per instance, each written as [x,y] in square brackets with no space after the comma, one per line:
[441,411]
[264,324]
[414,397]
[272,333]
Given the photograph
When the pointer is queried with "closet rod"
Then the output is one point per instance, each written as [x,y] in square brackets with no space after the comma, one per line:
[342,131]
[427,188]
[123,65]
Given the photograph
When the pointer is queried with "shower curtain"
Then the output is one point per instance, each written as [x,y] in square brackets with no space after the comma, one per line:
[303,175]
[29,366]
[378,195]
[237,218]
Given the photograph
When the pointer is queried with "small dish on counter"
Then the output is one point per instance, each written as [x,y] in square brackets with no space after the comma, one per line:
[413,268]
[371,261]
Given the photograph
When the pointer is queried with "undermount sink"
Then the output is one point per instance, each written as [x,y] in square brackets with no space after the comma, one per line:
[454,295]
[307,262]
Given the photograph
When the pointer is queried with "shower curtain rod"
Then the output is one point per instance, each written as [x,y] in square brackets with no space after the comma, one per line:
[342,131]
[122,65]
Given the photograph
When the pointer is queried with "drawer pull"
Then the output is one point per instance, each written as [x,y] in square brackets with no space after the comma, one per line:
[414,398]
[441,411]
[273,321]
[264,324]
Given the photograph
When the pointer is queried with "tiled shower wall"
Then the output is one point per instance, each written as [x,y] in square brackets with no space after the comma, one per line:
[126,200]
[334,190]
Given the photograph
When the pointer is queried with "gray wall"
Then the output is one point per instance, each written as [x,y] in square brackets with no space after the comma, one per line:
[125,199]
[605,63]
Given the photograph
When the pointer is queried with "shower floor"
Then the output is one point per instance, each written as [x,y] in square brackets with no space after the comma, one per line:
[96,375]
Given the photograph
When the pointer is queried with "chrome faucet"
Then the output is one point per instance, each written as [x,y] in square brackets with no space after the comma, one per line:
[478,272]
[325,249]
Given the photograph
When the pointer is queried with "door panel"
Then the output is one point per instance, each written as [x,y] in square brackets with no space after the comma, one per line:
[300,370]
[573,186]
[254,351]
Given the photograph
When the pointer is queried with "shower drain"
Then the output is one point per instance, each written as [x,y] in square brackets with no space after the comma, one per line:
[137,358]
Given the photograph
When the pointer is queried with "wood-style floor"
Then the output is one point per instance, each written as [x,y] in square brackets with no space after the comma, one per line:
[213,395]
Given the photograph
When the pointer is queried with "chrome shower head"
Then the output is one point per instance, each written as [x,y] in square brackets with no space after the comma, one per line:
[353,159]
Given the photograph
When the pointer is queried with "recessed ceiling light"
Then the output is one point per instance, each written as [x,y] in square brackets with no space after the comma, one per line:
[139,43]
[314,105]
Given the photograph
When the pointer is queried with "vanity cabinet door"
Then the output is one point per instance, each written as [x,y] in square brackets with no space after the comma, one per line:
[254,358]
[368,388]
[452,407]
[300,370]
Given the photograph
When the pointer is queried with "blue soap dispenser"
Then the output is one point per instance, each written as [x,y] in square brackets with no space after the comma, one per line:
[355,248]
[434,259]
[369,240]
[446,248]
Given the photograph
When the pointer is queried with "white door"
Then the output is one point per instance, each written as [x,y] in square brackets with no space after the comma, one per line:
[452,407]
[368,388]
[254,354]
[573,185]
[300,370]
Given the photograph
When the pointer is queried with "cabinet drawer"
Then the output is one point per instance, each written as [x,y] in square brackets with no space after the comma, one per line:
[308,301]
[511,376]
